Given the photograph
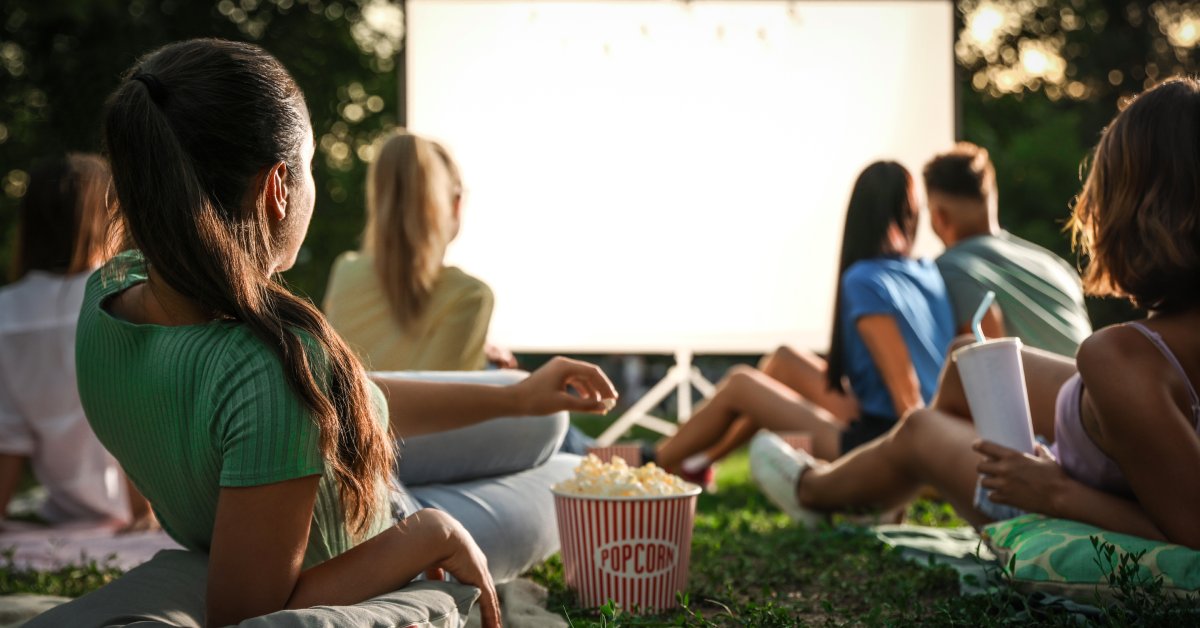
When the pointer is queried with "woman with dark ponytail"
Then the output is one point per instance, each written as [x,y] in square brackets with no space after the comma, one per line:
[231,403]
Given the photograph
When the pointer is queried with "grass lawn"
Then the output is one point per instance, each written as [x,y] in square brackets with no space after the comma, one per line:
[751,567]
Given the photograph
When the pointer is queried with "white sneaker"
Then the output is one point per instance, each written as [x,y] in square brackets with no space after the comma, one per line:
[776,467]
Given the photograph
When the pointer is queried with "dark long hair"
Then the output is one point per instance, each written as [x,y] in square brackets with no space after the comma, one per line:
[63,217]
[881,198]
[189,132]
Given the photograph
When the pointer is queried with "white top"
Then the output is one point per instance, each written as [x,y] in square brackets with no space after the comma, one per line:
[40,413]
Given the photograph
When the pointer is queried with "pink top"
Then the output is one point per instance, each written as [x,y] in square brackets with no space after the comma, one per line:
[1077,453]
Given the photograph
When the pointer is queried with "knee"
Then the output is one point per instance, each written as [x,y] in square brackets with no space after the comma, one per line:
[736,377]
[910,433]
[781,355]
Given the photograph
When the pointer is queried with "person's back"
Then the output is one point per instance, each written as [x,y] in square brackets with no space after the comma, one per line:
[62,234]
[40,413]
[912,293]
[193,408]
[1039,297]
[1039,294]
[449,335]
[395,302]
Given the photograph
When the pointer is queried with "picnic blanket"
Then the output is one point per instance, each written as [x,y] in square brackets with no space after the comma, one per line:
[44,548]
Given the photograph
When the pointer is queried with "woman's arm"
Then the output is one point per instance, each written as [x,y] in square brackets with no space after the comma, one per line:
[1038,484]
[1141,427]
[1138,404]
[418,407]
[260,535]
[890,354]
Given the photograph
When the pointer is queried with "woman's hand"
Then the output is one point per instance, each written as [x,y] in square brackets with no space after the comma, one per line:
[547,390]
[460,557]
[501,357]
[1029,482]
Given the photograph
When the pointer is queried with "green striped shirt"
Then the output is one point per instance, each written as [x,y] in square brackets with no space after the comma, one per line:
[190,409]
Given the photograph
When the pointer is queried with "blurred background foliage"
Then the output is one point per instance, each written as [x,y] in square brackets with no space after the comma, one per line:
[1038,80]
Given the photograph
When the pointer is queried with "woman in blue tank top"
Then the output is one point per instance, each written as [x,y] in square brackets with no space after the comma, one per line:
[892,327]
[1124,416]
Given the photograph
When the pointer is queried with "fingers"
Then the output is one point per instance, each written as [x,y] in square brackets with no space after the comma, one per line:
[992,450]
[590,373]
[582,404]
[436,573]
[489,605]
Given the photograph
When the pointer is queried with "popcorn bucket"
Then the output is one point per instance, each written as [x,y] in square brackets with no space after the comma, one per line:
[631,550]
[798,440]
[630,452]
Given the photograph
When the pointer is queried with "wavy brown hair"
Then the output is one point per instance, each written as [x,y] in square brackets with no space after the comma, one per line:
[412,186]
[63,217]
[1137,218]
[190,132]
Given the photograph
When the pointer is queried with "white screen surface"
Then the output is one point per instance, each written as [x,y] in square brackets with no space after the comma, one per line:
[645,176]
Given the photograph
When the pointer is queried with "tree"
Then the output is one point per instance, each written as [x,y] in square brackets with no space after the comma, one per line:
[60,60]
[1040,79]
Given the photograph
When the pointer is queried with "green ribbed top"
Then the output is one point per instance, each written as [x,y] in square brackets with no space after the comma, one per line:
[190,409]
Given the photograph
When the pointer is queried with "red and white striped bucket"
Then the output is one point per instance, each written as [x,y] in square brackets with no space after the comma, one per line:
[798,440]
[630,452]
[631,550]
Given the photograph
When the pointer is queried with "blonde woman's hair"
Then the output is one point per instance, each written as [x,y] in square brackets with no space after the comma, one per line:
[412,186]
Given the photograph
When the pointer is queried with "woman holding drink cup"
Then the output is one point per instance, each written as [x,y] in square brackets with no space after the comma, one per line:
[1124,416]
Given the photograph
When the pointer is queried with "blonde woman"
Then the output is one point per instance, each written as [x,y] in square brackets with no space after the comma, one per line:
[395,302]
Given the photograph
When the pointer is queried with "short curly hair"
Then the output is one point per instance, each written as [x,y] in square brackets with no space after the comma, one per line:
[1137,219]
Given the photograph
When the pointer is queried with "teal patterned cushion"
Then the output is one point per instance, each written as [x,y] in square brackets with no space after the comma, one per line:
[1057,556]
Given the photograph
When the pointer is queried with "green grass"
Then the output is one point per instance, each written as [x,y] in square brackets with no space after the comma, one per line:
[752,567]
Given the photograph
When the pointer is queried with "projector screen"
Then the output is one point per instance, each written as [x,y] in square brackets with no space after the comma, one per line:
[646,176]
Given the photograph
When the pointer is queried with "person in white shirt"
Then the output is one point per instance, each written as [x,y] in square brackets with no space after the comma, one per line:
[62,236]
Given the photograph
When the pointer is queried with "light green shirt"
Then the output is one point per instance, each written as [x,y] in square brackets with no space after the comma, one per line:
[1039,294]
[449,335]
[190,409]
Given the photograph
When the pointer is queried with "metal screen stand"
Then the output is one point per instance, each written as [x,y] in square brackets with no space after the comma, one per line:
[679,379]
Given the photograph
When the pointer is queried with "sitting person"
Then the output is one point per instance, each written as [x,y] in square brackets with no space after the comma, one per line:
[892,326]
[231,403]
[1124,416]
[61,238]
[1038,295]
[401,308]
[395,302]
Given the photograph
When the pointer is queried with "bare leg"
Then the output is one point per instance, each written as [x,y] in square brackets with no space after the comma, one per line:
[804,373]
[763,400]
[927,447]
[1045,374]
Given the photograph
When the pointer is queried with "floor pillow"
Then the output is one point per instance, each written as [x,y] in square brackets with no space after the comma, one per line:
[1062,557]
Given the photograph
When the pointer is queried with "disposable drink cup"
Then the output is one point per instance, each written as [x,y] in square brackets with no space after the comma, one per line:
[994,380]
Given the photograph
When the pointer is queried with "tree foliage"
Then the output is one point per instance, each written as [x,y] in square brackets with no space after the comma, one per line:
[1038,80]
[61,59]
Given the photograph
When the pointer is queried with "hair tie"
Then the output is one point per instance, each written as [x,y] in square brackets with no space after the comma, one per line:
[158,93]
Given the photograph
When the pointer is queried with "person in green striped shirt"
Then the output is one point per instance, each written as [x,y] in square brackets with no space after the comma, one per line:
[233,406]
